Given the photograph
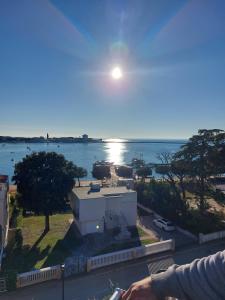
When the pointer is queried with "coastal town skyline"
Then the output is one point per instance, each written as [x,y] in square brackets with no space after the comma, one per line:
[125,70]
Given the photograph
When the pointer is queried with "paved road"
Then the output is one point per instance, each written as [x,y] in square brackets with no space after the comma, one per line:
[96,285]
[181,240]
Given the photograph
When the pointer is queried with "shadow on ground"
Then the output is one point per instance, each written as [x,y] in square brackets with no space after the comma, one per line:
[23,258]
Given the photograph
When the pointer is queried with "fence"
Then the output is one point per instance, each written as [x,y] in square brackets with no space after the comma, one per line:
[75,265]
[38,276]
[82,264]
[187,233]
[125,255]
[2,285]
[204,238]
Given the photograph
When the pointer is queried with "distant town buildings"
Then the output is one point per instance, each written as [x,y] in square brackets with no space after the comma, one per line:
[97,209]
[84,139]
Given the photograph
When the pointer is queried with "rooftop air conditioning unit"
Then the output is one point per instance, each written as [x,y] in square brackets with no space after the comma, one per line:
[95,187]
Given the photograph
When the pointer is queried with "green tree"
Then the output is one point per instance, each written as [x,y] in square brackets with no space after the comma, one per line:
[174,172]
[80,173]
[124,171]
[160,197]
[165,169]
[101,172]
[144,172]
[203,155]
[44,180]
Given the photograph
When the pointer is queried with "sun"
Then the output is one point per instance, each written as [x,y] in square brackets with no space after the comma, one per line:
[116,73]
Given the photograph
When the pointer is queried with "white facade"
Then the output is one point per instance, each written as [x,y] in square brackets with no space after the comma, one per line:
[106,209]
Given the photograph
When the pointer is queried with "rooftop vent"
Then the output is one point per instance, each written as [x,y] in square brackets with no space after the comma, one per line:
[95,187]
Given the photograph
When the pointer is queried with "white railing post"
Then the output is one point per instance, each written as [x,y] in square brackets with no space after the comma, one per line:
[129,254]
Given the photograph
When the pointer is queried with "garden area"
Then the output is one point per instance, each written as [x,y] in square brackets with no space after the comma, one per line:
[189,190]
[138,238]
[32,248]
[158,196]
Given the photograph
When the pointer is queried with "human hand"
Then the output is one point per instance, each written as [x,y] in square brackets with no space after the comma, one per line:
[140,290]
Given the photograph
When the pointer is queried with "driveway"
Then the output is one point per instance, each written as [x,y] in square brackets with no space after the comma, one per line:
[181,239]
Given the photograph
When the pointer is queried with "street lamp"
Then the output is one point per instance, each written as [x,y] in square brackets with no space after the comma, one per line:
[62,277]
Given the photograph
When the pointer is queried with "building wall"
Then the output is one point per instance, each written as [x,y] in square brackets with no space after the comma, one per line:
[128,206]
[91,215]
[94,213]
[74,204]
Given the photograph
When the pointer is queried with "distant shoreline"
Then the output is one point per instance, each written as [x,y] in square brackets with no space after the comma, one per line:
[148,142]
[178,142]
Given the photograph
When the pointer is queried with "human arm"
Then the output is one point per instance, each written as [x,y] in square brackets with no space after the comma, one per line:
[202,279]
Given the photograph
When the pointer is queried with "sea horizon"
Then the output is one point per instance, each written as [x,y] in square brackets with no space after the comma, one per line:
[85,154]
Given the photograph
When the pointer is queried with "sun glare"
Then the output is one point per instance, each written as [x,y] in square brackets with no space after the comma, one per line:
[116,73]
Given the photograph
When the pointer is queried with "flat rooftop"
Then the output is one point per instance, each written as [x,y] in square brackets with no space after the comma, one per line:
[86,193]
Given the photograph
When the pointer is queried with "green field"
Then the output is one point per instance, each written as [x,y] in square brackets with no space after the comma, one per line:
[33,249]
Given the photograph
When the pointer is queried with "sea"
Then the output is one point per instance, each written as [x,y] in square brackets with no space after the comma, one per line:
[117,151]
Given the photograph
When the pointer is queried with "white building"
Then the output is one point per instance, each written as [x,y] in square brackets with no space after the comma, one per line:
[4,219]
[105,208]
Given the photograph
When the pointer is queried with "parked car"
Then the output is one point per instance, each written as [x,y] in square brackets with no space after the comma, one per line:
[164,224]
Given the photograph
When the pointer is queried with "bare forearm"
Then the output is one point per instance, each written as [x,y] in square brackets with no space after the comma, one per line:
[202,279]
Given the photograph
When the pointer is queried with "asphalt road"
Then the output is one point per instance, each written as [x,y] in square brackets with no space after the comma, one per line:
[181,240]
[97,284]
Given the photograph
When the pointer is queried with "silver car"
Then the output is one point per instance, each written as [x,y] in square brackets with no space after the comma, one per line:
[164,224]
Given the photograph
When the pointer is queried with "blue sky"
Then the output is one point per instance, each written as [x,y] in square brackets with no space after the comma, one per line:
[56,58]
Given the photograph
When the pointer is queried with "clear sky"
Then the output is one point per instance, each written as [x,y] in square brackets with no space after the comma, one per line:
[56,58]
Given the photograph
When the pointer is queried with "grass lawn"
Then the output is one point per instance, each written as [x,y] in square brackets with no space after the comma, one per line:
[141,232]
[137,232]
[33,249]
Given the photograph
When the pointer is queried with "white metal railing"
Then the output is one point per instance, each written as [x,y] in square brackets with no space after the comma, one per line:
[124,255]
[38,276]
[204,238]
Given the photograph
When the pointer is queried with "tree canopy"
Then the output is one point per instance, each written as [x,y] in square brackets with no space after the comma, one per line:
[101,172]
[44,180]
[203,157]
[80,173]
[124,171]
[144,171]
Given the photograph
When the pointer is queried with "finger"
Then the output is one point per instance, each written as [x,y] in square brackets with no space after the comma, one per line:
[126,294]
[133,295]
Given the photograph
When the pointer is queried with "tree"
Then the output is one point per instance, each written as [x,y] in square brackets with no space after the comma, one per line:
[144,172]
[160,197]
[203,154]
[174,171]
[101,172]
[124,171]
[165,169]
[80,173]
[44,180]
